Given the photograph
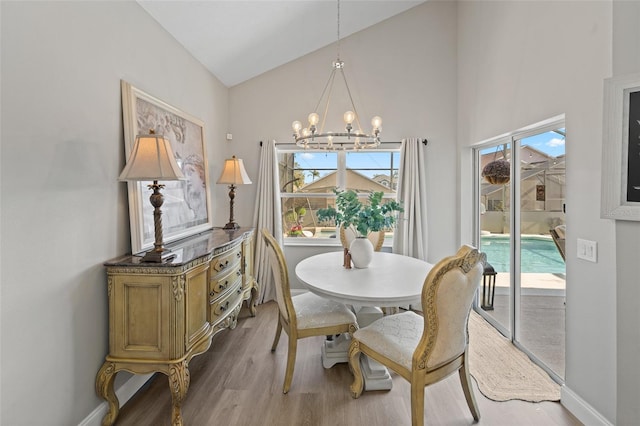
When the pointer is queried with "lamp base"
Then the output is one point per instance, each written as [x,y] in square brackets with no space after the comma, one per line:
[231,225]
[153,256]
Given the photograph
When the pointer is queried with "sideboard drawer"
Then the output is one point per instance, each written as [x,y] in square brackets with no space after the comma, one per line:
[226,261]
[221,308]
[222,282]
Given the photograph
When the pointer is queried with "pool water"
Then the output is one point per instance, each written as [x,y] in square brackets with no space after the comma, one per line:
[539,254]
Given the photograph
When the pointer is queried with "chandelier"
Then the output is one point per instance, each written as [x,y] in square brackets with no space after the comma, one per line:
[353,137]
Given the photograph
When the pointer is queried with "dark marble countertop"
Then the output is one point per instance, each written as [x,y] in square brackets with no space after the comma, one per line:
[188,249]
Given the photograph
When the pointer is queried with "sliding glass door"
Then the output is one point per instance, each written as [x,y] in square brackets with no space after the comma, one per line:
[523,293]
[495,229]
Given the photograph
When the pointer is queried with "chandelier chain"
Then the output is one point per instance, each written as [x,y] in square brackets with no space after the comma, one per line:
[338,31]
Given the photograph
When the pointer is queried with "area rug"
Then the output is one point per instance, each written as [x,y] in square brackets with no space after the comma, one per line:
[502,371]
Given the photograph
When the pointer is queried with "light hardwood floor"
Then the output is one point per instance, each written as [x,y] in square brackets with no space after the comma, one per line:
[238,381]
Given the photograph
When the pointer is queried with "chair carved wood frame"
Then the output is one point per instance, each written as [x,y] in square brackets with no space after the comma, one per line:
[316,316]
[433,358]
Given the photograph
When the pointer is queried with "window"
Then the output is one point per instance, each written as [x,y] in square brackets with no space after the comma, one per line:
[308,178]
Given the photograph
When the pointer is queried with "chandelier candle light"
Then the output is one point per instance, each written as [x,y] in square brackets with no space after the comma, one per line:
[350,137]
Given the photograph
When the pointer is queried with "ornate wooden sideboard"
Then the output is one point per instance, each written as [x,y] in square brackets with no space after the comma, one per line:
[162,315]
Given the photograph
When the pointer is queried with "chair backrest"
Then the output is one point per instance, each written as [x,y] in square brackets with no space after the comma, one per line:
[280,275]
[447,296]
[347,235]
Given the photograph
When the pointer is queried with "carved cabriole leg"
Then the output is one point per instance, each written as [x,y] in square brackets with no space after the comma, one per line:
[104,388]
[354,365]
[179,384]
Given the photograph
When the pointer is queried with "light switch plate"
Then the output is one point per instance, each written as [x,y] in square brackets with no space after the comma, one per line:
[587,250]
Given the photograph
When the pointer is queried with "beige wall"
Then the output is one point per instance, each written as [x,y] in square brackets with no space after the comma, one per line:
[626,60]
[63,211]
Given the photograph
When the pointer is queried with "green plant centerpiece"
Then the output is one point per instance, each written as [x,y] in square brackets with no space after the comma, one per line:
[363,218]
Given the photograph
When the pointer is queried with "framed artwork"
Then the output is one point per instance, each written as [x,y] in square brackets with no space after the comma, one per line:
[621,149]
[187,204]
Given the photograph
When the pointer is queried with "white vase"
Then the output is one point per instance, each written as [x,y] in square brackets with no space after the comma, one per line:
[361,251]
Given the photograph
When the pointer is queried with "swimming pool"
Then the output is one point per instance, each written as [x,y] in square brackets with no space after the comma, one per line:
[539,254]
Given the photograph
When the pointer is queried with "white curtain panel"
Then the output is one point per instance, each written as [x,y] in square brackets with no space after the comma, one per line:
[267,214]
[410,235]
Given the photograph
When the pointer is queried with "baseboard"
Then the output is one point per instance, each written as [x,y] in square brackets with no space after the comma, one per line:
[124,393]
[581,409]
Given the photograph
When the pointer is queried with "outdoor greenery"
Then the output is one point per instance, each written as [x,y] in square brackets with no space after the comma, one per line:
[295,216]
[367,217]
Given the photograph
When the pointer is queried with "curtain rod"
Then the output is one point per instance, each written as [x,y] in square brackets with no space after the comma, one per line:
[425,142]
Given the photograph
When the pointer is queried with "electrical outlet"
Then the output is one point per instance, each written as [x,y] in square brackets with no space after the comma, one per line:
[587,250]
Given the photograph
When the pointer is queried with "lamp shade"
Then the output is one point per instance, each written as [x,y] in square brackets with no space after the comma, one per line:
[234,173]
[151,159]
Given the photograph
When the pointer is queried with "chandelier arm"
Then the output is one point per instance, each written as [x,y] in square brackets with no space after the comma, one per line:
[326,108]
[329,83]
[353,105]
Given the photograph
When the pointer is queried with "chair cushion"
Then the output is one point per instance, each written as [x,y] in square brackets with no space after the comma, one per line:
[394,336]
[314,311]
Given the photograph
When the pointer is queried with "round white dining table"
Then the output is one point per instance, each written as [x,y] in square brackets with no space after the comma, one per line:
[391,280]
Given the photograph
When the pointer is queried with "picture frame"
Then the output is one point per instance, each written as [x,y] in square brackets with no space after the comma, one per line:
[187,203]
[620,190]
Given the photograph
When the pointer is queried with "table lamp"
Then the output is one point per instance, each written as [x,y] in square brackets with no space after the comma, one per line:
[233,173]
[152,159]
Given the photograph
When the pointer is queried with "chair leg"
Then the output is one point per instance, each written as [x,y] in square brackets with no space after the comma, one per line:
[467,388]
[277,338]
[291,362]
[417,403]
[354,365]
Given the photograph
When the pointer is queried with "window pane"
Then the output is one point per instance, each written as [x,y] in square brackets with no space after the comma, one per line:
[372,171]
[308,178]
[308,171]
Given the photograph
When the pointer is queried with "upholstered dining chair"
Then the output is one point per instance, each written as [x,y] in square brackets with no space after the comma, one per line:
[425,349]
[347,235]
[303,315]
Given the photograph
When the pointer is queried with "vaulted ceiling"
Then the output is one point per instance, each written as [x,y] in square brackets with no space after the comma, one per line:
[238,40]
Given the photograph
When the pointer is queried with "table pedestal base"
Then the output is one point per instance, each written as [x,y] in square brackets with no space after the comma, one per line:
[335,351]
[376,376]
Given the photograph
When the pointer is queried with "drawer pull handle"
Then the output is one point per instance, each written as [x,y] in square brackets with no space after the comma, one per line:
[223,286]
[238,255]
[238,272]
[224,307]
[224,265]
